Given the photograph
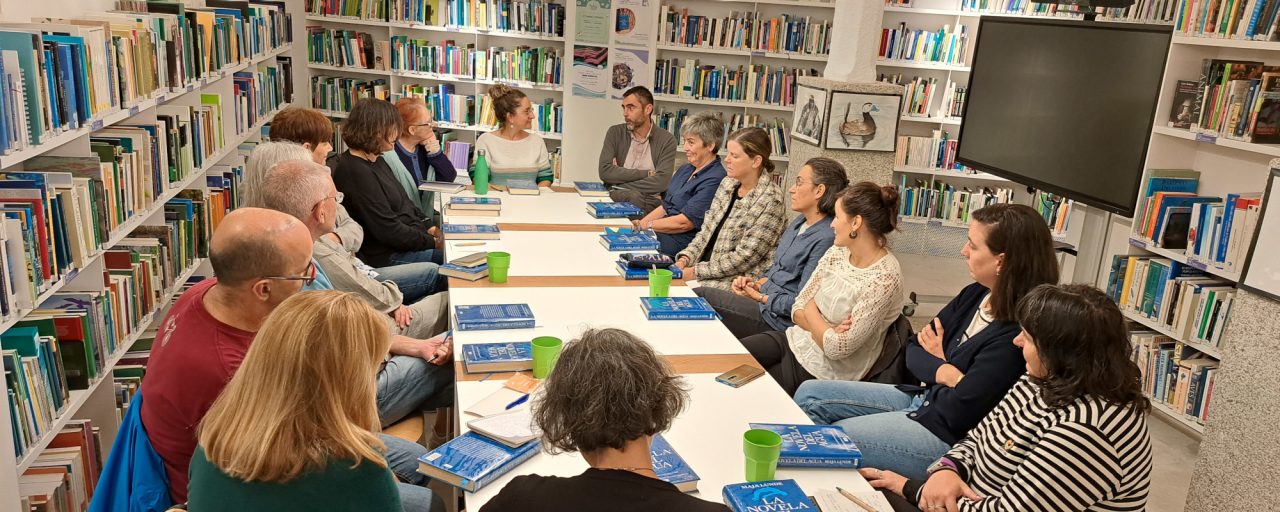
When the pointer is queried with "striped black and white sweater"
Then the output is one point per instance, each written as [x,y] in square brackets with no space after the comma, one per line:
[1088,455]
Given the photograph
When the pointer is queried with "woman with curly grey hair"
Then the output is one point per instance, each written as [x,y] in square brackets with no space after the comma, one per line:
[607,398]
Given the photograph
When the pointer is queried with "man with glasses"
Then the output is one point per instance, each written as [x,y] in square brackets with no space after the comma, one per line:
[638,158]
[420,152]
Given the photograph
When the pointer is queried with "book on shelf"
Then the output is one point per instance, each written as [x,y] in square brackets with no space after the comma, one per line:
[522,187]
[944,202]
[1174,374]
[63,476]
[1237,100]
[945,46]
[745,30]
[472,461]
[591,189]
[677,308]
[767,495]
[341,48]
[1174,296]
[471,231]
[936,152]
[642,274]
[1254,20]
[339,93]
[366,10]
[642,241]
[754,83]
[613,210]
[919,94]
[670,467]
[1055,209]
[485,317]
[497,357]
[475,273]
[531,17]
[1182,106]
[1012,7]
[814,446]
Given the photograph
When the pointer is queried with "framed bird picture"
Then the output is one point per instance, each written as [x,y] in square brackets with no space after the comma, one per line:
[862,121]
[807,124]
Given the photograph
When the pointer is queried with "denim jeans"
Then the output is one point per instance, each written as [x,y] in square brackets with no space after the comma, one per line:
[407,384]
[415,280]
[876,417]
[402,459]
[423,256]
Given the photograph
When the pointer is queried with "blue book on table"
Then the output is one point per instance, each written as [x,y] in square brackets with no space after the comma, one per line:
[772,495]
[471,461]
[475,203]
[671,467]
[622,210]
[641,274]
[814,446]
[471,231]
[591,188]
[516,356]
[523,188]
[486,317]
[629,242]
[677,308]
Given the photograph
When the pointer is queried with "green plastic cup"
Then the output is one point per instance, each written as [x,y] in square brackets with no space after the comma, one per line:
[659,282]
[546,351]
[761,448]
[499,262]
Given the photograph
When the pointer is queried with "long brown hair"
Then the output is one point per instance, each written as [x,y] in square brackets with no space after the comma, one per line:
[305,394]
[1021,235]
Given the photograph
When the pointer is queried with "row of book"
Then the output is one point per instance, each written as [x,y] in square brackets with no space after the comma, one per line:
[1182,300]
[541,17]
[1212,231]
[1231,19]
[1175,375]
[63,476]
[1148,11]
[779,133]
[1055,209]
[520,64]
[363,9]
[756,83]
[946,45]
[935,152]
[258,93]
[746,31]
[340,93]
[1232,99]
[945,202]
[919,94]
[448,106]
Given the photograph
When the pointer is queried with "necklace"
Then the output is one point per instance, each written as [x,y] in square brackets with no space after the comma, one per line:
[633,470]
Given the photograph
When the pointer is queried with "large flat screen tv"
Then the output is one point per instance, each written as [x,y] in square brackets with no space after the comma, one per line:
[1065,106]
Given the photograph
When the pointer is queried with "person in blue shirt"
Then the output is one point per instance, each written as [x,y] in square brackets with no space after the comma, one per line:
[420,152]
[692,188]
[762,303]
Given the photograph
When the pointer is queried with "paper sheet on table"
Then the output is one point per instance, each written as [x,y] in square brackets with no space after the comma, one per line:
[832,501]
[495,403]
[515,426]
[459,248]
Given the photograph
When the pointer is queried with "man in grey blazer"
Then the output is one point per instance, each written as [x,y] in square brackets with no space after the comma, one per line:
[638,158]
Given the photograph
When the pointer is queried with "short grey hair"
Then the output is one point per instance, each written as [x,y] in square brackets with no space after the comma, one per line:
[705,125]
[263,157]
[295,186]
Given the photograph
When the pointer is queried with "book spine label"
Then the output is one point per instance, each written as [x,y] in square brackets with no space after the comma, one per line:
[819,462]
[681,316]
[491,325]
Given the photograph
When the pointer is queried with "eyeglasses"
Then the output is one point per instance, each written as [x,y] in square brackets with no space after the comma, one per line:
[308,277]
[336,197]
[428,124]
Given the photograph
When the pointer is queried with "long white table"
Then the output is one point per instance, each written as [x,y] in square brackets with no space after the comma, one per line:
[553,208]
[547,253]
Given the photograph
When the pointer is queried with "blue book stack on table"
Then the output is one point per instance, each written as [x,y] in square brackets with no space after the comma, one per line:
[475,203]
[641,274]
[671,467]
[591,189]
[677,308]
[621,210]
[472,461]
[488,317]
[814,446]
[475,273]
[515,356]
[471,231]
[629,242]
[769,495]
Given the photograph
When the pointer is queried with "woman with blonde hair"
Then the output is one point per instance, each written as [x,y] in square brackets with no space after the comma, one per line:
[297,426]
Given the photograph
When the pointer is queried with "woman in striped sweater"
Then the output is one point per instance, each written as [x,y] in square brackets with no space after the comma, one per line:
[1070,435]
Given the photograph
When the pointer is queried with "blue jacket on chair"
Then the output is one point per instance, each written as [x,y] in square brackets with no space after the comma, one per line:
[133,478]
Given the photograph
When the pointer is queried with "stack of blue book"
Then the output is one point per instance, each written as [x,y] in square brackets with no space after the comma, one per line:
[472,461]
[640,274]
[488,317]
[516,356]
[618,241]
[814,446]
[677,308]
[620,210]
[471,231]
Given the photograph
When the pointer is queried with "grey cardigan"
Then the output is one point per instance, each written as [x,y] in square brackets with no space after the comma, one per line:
[748,239]
[617,141]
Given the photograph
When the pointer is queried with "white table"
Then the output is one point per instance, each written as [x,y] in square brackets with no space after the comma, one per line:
[555,208]
[708,435]
[546,253]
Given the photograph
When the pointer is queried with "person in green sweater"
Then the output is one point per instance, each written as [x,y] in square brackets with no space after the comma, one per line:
[296,428]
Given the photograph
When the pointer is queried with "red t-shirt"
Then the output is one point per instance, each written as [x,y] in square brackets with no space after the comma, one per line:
[192,359]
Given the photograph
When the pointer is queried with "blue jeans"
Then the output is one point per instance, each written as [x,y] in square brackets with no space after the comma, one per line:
[415,280]
[402,459]
[423,256]
[877,417]
[407,384]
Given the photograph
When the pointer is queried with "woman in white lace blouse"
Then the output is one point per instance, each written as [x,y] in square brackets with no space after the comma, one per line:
[854,295]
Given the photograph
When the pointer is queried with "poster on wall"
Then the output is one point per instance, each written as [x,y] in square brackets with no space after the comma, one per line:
[866,122]
[629,68]
[811,104]
[590,71]
[592,21]
[1262,267]
[632,22]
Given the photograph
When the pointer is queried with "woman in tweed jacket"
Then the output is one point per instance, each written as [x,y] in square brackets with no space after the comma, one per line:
[745,220]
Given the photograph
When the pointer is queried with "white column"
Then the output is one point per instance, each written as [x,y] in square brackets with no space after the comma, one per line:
[855,40]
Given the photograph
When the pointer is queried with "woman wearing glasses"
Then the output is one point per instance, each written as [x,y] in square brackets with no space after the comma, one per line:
[511,151]
[420,152]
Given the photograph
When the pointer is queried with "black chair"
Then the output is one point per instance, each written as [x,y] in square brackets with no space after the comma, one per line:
[891,366]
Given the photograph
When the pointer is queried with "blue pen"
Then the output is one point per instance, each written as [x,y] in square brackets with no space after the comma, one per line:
[448,335]
[518,401]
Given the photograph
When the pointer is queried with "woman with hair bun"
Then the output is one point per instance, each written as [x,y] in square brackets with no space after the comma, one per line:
[511,151]
[853,297]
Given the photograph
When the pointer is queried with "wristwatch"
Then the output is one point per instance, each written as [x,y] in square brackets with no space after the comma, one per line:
[943,464]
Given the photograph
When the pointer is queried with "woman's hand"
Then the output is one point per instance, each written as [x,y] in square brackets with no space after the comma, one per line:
[942,492]
[403,316]
[690,272]
[844,326]
[886,480]
[930,339]
[948,375]
[740,285]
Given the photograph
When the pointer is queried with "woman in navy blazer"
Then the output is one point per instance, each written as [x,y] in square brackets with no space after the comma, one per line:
[965,358]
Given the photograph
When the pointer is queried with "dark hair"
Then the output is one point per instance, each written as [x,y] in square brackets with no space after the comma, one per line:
[641,93]
[831,174]
[367,125]
[877,205]
[301,125]
[1083,344]
[505,101]
[1021,235]
[608,387]
[755,143]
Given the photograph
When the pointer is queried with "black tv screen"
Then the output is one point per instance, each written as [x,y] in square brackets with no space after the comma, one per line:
[1065,106]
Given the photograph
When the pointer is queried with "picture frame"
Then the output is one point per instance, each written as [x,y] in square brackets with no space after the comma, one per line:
[1261,273]
[807,122]
[862,121]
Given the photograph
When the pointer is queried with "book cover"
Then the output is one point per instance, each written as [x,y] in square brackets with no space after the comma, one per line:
[642,274]
[1183,104]
[773,495]
[671,467]
[814,446]
[474,273]
[514,356]
[471,461]
[483,317]
[622,210]
[475,203]
[471,231]
[677,308]
[591,189]
[629,242]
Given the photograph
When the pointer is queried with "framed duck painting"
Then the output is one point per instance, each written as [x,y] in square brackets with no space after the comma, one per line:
[862,121]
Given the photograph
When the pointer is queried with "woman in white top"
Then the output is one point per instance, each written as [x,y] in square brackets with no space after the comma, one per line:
[853,296]
[511,152]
